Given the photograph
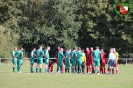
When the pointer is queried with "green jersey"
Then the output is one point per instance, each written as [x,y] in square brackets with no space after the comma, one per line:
[96,55]
[39,53]
[79,55]
[73,53]
[46,54]
[67,56]
[19,54]
[60,56]
[13,54]
[32,54]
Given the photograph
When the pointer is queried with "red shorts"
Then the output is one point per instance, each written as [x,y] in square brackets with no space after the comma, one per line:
[116,65]
[89,63]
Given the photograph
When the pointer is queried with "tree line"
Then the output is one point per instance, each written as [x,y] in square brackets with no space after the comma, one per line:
[65,23]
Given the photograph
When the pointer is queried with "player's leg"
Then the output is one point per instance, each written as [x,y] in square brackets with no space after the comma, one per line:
[32,64]
[14,64]
[98,66]
[38,61]
[87,67]
[46,65]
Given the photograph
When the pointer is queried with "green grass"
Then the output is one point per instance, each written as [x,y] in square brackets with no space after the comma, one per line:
[26,79]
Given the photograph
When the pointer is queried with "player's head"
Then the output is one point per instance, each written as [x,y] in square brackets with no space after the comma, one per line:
[87,49]
[83,50]
[111,50]
[48,47]
[97,48]
[40,47]
[61,49]
[58,47]
[34,49]
[66,50]
[79,48]
[21,48]
[15,48]
[102,50]
[114,50]
[91,48]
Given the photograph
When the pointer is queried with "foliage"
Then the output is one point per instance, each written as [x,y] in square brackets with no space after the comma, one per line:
[66,23]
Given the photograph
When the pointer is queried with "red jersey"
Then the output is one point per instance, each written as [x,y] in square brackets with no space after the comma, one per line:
[87,56]
[103,58]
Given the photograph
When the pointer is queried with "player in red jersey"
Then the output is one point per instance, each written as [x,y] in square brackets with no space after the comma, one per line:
[87,59]
[90,60]
[103,61]
[51,66]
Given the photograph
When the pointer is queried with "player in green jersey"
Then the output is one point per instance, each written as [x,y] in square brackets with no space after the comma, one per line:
[60,59]
[40,55]
[96,57]
[19,55]
[73,59]
[14,59]
[32,54]
[47,59]
[79,60]
[67,60]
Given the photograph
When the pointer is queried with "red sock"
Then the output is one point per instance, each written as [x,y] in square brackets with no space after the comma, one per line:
[90,69]
[62,69]
[116,71]
[87,69]
[103,69]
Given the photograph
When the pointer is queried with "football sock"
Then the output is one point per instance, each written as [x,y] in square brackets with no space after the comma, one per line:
[36,70]
[76,70]
[72,69]
[40,70]
[116,71]
[87,69]
[104,70]
[13,68]
[68,70]
[91,69]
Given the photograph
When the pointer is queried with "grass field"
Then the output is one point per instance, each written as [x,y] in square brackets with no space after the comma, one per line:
[26,79]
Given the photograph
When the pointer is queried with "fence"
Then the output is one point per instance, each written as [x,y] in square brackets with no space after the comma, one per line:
[125,59]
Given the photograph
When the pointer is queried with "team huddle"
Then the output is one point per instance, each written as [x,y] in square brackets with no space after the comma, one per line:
[70,61]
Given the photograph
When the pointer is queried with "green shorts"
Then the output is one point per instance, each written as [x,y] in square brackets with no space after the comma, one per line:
[67,64]
[73,61]
[32,61]
[59,63]
[19,62]
[79,62]
[39,60]
[14,61]
[96,63]
[46,61]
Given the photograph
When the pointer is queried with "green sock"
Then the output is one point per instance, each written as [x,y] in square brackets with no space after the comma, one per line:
[77,70]
[40,70]
[72,69]
[18,68]
[36,70]
[31,69]
[61,69]
[13,68]
[65,70]
[68,70]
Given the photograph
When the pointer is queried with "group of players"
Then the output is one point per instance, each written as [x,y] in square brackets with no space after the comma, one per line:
[74,61]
